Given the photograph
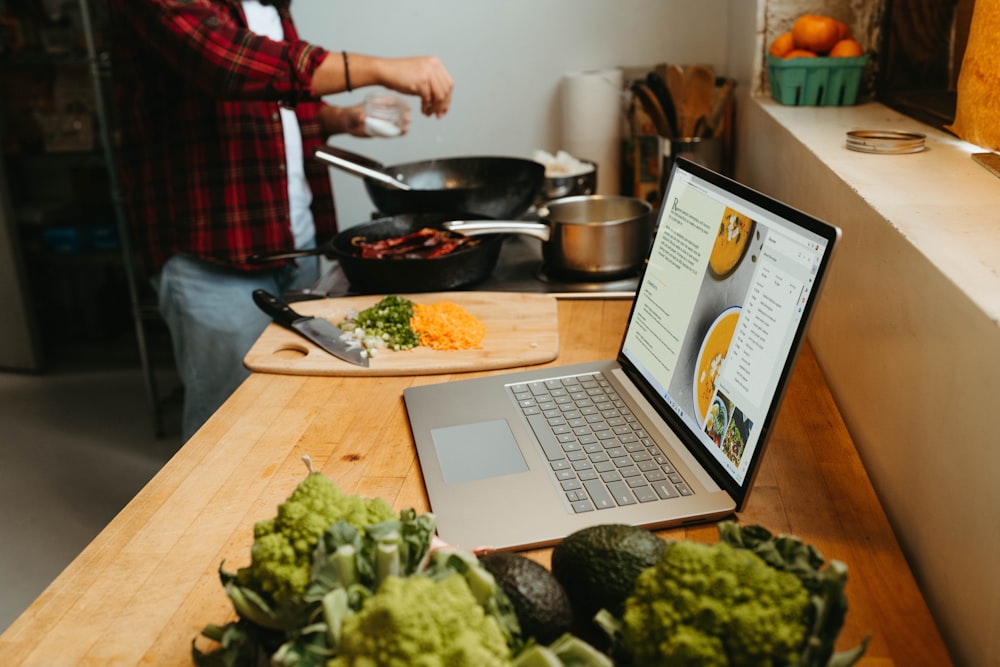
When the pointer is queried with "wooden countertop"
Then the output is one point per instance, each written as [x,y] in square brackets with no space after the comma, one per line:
[148,583]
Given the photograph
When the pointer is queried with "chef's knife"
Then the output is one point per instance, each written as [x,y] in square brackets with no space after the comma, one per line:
[316,329]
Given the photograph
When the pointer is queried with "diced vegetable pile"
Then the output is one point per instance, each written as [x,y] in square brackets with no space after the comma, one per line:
[447,326]
[396,323]
[384,325]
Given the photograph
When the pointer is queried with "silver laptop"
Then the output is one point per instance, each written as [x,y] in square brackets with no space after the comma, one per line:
[670,432]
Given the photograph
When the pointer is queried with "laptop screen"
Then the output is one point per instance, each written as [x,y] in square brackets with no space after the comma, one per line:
[719,312]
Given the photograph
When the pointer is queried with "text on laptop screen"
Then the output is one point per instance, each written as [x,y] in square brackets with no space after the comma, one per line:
[717,313]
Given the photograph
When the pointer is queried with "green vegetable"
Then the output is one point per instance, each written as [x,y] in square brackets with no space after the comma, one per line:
[283,546]
[386,324]
[574,652]
[312,567]
[537,655]
[447,560]
[828,603]
[566,651]
[714,605]
[326,572]
[359,560]
[750,599]
[422,621]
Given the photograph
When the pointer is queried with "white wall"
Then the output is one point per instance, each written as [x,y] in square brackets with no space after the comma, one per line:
[507,59]
[909,356]
[906,331]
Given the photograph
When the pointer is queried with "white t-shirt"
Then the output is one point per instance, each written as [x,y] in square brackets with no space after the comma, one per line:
[265,21]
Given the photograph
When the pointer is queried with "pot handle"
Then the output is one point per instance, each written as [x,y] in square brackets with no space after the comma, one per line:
[267,258]
[346,161]
[478,227]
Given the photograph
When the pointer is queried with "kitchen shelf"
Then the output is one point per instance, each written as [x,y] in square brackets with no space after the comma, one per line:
[37,59]
[61,177]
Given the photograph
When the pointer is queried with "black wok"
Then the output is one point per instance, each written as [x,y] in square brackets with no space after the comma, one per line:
[463,267]
[495,187]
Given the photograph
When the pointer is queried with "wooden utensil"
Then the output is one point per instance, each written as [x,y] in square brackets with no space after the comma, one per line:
[674,78]
[720,101]
[653,108]
[659,89]
[699,88]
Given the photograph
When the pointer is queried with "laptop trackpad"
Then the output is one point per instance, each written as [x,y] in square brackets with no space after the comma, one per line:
[477,451]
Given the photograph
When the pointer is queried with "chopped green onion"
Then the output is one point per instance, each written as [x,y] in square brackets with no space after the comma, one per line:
[386,324]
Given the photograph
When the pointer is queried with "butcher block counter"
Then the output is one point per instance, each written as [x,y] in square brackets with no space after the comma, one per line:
[148,583]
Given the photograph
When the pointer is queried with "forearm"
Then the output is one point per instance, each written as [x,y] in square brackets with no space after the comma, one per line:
[423,76]
[339,73]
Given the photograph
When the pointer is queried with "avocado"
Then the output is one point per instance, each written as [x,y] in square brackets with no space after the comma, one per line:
[542,606]
[598,566]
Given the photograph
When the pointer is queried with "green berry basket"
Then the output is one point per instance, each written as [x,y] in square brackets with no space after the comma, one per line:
[817,82]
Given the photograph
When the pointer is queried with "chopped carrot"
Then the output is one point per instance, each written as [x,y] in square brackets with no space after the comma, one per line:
[447,326]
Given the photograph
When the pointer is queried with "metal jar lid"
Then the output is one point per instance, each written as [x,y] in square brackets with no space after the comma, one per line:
[885,141]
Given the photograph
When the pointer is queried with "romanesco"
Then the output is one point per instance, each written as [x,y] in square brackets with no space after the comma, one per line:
[714,606]
[281,556]
[422,622]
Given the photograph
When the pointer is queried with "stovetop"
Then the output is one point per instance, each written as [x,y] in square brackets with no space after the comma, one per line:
[519,269]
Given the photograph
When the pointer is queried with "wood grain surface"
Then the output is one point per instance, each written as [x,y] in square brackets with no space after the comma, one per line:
[146,586]
[521,330]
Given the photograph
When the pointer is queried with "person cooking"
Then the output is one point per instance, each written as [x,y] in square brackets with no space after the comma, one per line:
[219,108]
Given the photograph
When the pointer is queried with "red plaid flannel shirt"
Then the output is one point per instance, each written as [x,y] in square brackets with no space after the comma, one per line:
[202,163]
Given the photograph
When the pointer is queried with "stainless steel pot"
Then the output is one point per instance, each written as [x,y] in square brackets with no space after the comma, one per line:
[558,187]
[592,237]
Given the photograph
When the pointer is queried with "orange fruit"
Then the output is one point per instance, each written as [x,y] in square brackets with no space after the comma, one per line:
[842,30]
[815,32]
[799,53]
[846,48]
[781,45]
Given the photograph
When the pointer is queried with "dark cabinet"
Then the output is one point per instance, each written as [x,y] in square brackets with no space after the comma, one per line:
[58,179]
[60,208]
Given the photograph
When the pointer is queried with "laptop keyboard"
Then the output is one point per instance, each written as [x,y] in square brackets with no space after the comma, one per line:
[598,450]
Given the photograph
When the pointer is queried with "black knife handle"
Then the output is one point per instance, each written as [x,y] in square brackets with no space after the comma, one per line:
[277,309]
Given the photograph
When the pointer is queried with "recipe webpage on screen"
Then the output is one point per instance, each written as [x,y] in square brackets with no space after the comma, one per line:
[688,305]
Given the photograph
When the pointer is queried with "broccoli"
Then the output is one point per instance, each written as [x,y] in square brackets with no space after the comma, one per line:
[281,555]
[421,621]
[714,605]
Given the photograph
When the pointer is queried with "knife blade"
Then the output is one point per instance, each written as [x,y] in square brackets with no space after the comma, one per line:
[315,329]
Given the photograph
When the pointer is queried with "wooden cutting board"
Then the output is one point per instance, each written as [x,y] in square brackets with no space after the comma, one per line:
[521,330]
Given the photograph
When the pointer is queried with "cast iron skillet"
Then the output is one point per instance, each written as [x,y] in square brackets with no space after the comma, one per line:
[495,187]
[461,268]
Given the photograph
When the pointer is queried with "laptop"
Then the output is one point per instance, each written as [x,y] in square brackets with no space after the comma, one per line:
[670,432]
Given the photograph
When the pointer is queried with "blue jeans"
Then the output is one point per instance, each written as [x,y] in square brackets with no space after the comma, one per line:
[214,322]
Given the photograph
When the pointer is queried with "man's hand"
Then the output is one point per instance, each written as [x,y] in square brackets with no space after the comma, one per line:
[423,76]
[351,120]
